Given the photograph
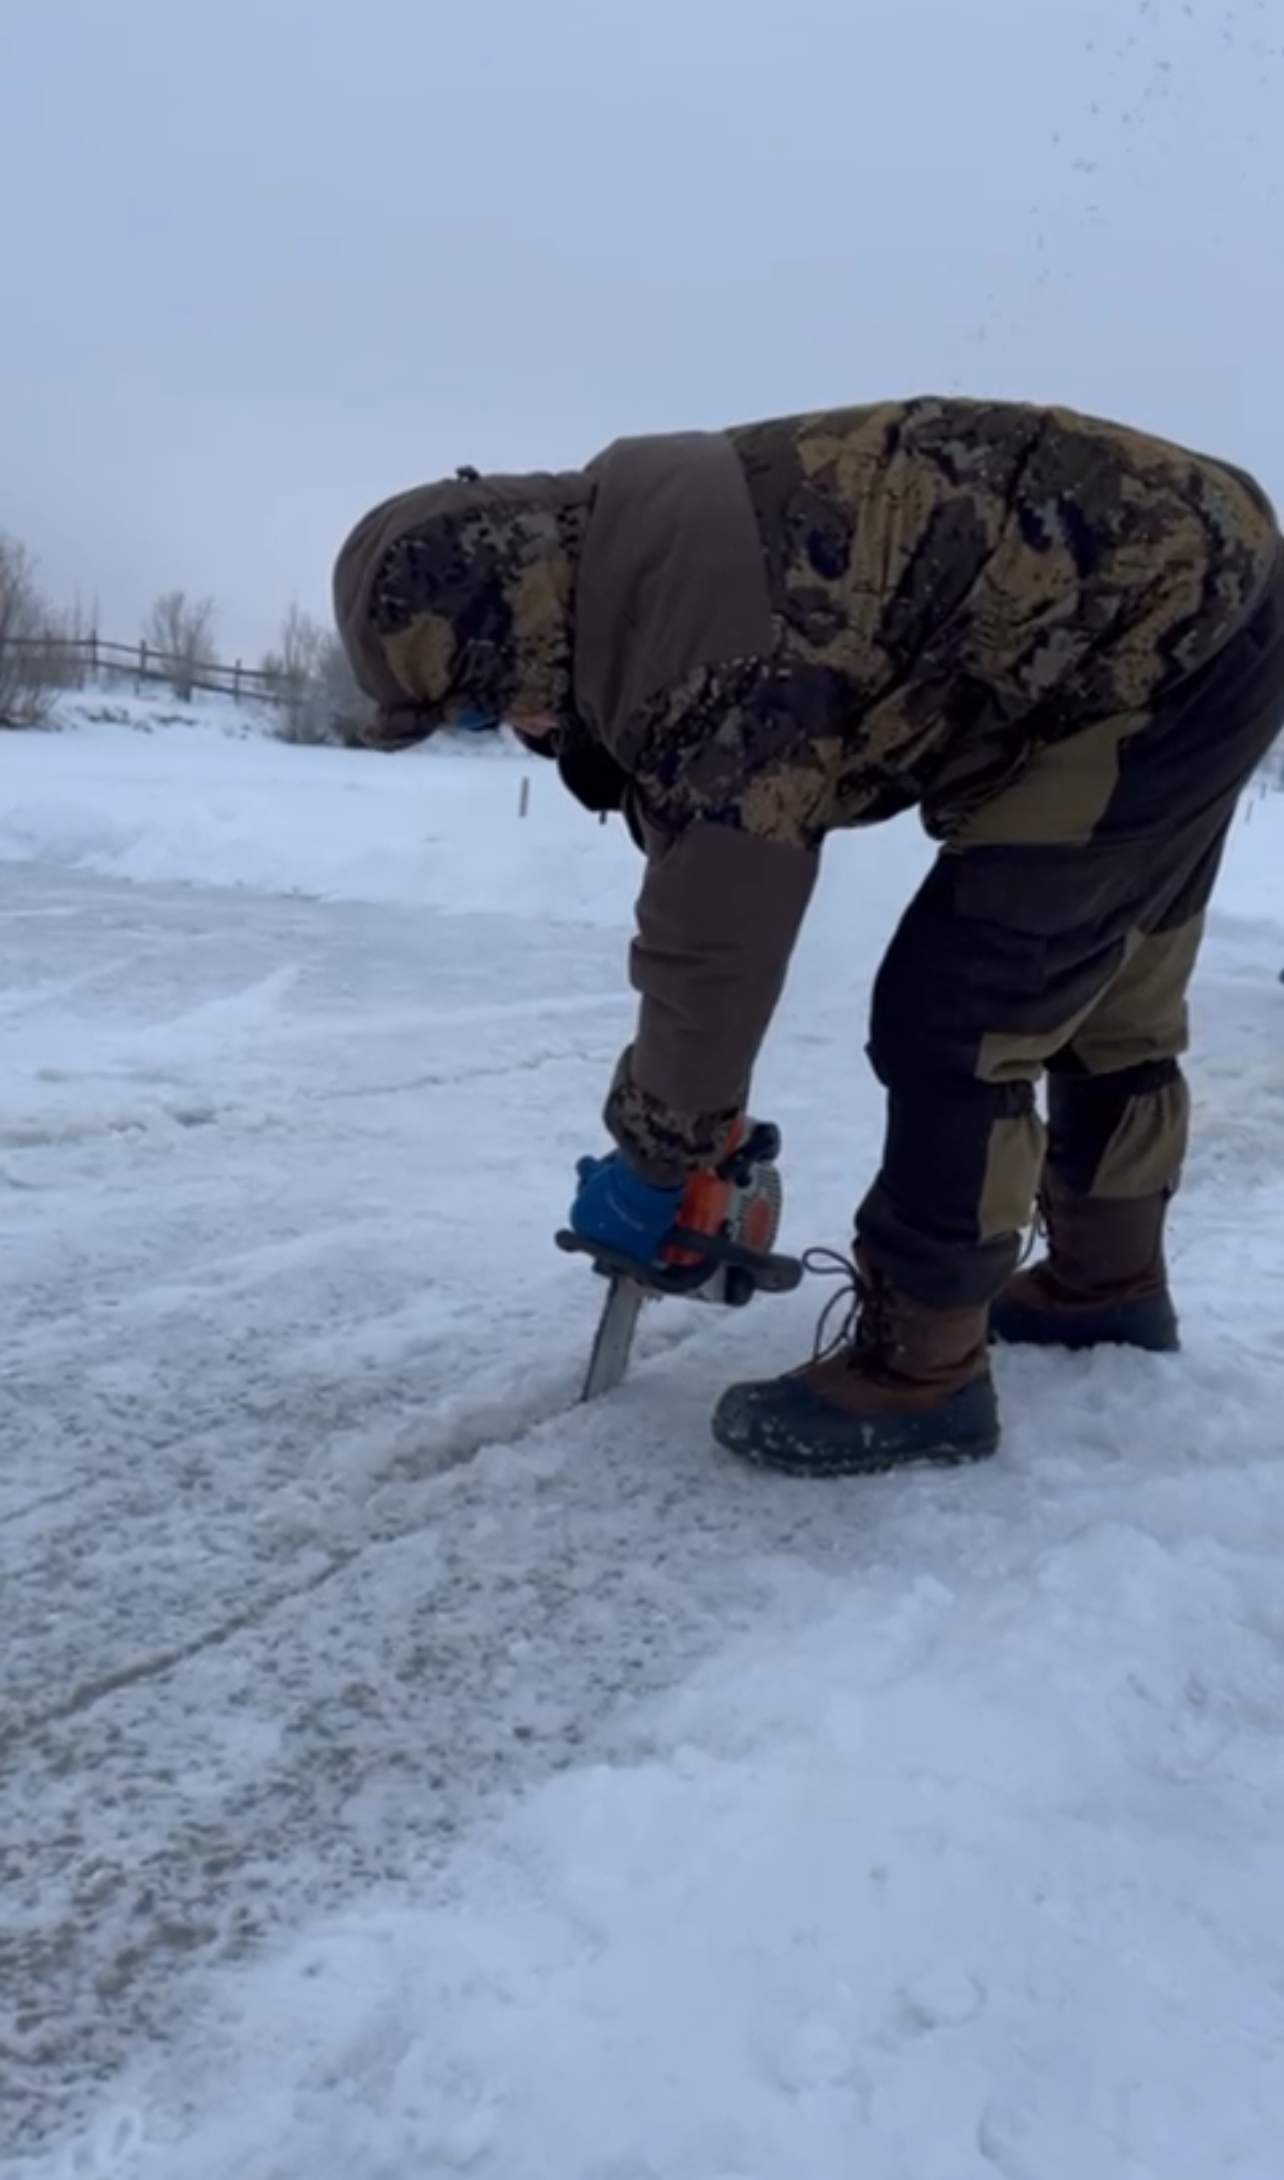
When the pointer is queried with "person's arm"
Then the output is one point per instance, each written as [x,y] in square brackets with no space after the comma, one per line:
[717,920]
[733,793]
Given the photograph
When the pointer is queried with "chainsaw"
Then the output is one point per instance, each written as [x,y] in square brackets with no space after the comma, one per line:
[720,1250]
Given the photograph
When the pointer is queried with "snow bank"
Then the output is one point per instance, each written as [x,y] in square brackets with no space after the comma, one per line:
[199,797]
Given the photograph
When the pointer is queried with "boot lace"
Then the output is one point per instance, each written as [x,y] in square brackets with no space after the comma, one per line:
[855,1316]
[1039,1232]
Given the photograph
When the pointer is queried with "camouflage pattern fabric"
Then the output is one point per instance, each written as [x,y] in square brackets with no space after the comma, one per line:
[662,1145]
[953,584]
[458,599]
[476,607]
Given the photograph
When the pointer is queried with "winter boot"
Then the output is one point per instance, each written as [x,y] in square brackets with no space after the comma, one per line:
[1103,1282]
[901,1384]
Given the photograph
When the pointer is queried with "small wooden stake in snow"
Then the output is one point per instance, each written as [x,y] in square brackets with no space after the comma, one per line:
[524,798]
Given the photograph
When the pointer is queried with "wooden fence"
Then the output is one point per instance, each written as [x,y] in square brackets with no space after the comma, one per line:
[71,661]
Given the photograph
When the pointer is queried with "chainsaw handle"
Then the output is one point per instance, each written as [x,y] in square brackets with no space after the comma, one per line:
[614,1264]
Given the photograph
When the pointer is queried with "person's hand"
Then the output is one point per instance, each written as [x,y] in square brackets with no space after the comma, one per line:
[615,1208]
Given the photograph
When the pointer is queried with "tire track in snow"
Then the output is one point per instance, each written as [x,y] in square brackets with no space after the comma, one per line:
[429,1451]
[13,1514]
[132,1675]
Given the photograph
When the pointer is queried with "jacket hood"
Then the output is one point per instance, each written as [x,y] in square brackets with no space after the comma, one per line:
[458,597]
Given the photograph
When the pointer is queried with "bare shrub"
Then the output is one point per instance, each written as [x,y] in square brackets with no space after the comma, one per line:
[180,631]
[294,666]
[60,656]
[319,699]
[25,696]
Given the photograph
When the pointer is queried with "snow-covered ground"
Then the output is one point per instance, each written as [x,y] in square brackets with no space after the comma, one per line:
[404,1772]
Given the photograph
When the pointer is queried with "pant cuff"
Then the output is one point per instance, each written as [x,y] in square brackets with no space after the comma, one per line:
[939,1274]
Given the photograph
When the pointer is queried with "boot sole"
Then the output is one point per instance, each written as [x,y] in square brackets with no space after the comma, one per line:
[748,1424]
[821,1467]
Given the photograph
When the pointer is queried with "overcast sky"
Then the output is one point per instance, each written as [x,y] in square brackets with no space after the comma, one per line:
[266,261]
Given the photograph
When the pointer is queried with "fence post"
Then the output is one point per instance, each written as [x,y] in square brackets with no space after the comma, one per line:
[142,665]
[524,796]
[236,682]
[93,654]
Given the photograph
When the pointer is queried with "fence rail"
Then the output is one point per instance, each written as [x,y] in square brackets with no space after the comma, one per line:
[78,659]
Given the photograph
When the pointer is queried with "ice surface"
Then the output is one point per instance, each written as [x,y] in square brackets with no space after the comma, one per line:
[403,1772]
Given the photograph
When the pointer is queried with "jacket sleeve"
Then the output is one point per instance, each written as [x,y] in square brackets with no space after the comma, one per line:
[733,791]
[717,919]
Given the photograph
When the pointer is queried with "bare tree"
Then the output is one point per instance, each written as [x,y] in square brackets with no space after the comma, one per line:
[181,631]
[347,708]
[60,656]
[320,700]
[297,663]
[25,694]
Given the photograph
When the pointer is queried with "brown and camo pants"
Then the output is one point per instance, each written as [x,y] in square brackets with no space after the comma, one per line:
[1056,935]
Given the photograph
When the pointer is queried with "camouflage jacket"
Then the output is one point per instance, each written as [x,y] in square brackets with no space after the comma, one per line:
[804,624]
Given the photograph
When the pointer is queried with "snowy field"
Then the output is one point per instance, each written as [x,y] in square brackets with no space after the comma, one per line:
[405,1773]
